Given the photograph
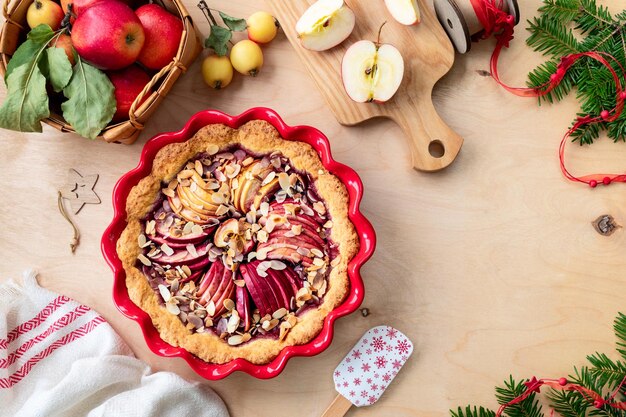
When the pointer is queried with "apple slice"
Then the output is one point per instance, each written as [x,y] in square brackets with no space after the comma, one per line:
[293,279]
[289,254]
[325,24]
[282,287]
[200,264]
[208,283]
[255,292]
[182,256]
[243,308]
[372,72]
[406,12]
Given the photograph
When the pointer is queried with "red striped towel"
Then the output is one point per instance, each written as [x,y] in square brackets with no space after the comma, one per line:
[60,358]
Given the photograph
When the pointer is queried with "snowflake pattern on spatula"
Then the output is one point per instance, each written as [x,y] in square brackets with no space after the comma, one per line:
[371,365]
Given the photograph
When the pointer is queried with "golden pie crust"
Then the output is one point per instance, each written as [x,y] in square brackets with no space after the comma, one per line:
[257,137]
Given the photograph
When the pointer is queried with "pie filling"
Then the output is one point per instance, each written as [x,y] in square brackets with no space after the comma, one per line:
[239,245]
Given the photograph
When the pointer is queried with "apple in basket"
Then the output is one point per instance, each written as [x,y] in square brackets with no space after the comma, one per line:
[79,6]
[128,83]
[108,34]
[162,31]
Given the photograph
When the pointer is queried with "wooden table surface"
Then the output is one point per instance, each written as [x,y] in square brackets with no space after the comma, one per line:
[491,266]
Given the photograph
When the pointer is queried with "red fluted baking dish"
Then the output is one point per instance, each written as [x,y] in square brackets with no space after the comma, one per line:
[364,229]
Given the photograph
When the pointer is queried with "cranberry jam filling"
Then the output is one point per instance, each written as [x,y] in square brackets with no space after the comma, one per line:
[238,244]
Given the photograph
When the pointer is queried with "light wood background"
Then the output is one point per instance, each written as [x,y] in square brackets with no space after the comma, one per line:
[491,266]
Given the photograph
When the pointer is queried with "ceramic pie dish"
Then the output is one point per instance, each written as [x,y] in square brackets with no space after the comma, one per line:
[237,242]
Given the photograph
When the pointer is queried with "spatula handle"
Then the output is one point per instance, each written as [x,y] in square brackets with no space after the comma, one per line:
[338,408]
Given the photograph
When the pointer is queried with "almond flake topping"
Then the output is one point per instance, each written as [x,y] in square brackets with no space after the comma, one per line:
[144,260]
[168,192]
[212,149]
[172,308]
[165,293]
[269,178]
[150,227]
[210,308]
[235,340]
[221,210]
[319,207]
[167,250]
[229,304]
[277,265]
[262,236]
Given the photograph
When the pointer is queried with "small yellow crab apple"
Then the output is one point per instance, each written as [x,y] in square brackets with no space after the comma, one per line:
[246,57]
[217,71]
[262,27]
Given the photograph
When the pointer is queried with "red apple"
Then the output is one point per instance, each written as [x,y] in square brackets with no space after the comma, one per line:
[79,6]
[128,83]
[65,42]
[108,34]
[163,31]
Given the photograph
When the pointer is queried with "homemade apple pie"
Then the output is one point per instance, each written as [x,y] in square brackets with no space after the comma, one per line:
[237,244]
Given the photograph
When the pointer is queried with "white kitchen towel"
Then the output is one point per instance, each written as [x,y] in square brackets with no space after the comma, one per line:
[59,358]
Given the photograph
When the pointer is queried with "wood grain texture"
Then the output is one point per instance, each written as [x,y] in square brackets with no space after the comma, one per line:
[428,56]
[338,408]
[491,266]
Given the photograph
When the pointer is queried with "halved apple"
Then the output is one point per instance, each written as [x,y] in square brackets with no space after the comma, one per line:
[406,12]
[325,24]
[372,72]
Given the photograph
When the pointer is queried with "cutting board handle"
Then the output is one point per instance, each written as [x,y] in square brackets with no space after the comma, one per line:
[434,145]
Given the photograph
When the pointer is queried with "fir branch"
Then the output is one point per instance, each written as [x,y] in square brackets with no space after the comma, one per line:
[593,17]
[562,10]
[551,37]
[606,371]
[541,76]
[472,412]
[568,403]
[619,327]
[530,407]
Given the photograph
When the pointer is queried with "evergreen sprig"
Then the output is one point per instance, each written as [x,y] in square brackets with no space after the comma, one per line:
[572,26]
[602,375]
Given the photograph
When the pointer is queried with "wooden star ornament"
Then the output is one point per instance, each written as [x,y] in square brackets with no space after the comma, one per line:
[79,190]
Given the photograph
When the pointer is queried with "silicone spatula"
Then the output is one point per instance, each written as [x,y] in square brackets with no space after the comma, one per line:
[368,369]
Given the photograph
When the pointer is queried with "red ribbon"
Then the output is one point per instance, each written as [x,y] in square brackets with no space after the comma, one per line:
[534,385]
[500,24]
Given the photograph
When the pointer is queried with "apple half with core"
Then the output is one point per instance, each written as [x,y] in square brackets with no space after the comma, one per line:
[406,12]
[372,72]
[325,24]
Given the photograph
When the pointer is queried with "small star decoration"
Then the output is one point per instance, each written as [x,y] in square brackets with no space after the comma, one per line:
[79,190]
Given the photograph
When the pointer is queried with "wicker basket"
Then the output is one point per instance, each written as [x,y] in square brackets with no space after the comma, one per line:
[14,32]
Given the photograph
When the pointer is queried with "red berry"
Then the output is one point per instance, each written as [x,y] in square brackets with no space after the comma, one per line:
[606,180]
[593,183]
[562,382]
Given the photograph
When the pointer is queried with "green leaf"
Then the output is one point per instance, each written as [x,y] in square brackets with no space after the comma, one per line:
[27,100]
[91,100]
[218,40]
[233,23]
[37,39]
[41,34]
[56,67]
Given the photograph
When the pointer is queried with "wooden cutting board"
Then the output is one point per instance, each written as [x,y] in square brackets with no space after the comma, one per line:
[428,56]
